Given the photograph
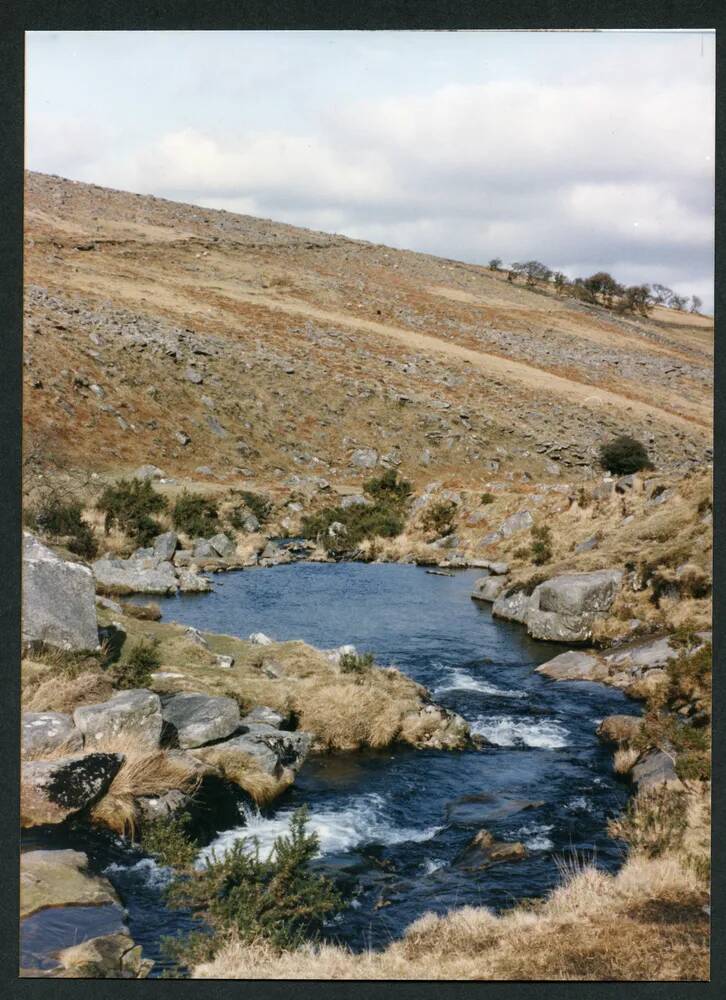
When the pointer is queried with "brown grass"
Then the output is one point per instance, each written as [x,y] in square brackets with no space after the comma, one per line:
[143,774]
[646,923]
[244,771]
[64,694]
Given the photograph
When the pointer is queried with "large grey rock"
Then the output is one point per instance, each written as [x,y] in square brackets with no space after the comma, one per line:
[574,665]
[203,550]
[52,790]
[251,524]
[513,608]
[549,626]
[578,593]
[196,719]
[654,770]
[132,576]
[265,715]
[59,599]
[488,588]
[165,545]
[44,732]
[223,546]
[132,715]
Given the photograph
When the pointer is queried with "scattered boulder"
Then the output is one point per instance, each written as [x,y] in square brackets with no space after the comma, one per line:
[654,770]
[514,523]
[251,524]
[193,376]
[223,546]
[355,500]
[131,715]
[565,608]
[588,545]
[365,458]
[44,732]
[195,719]
[149,472]
[194,635]
[203,549]
[226,662]
[59,599]
[260,639]
[133,576]
[165,545]
[52,790]
[192,583]
[488,588]
[574,665]
[265,715]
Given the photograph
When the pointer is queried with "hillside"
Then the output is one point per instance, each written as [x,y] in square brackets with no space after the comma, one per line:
[275,352]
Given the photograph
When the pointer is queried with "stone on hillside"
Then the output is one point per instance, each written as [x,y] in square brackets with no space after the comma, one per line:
[149,472]
[251,524]
[619,728]
[365,458]
[192,376]
[196,719]
[335,655]
[215,427]
[488,588]
[603,490]
[182,437]
[573,665]
[44,732]
[654,770]
[514,523]
[131,715]
[132,576]
[183,557]
[52,790]
[627,483]
[264,714]
[513,608]
[355,500]
[260,639]
[193,583]
[60,878]
[59,599]
[588,545]
[225,662]
[165,545]
[222,545]
[194,635]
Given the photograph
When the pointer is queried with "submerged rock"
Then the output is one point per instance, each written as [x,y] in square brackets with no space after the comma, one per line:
[59,599]
[483,850]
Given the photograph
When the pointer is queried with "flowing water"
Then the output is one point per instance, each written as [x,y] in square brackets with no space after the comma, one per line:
[393,823]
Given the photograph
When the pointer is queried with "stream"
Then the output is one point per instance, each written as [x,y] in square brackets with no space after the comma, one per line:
[392,823]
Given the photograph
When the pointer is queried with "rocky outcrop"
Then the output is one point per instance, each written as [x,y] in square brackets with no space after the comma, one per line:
[45,732]
[59,599]
[165,545]
[148,571]
[640,664]
[564,608]
[53,790]
[133,716]
[191,720]
[488,588]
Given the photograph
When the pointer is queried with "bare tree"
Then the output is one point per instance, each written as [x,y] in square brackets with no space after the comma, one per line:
[696,304]
[495,263]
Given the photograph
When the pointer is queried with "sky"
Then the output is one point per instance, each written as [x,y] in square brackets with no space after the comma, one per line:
[585,150]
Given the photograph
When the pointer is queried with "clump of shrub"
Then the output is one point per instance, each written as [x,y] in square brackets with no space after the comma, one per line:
[439,518]
[169,841]
[654,822]
[388,488]
[61,517]
[141,662]
[624,455]
[128,505]
[356,663]
[195,514]
[487,498]
[541,548]
[276,899]
[252,503]
[384,518]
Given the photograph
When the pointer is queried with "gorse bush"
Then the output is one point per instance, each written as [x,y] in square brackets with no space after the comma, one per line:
[169,841]
[252,503]
[624,455]
[541,548]
[276,899]
[356,663]
[195,515]
[487,498]
[388,488]
[439,518]
[128,505]
[61,517]
[358,523]
[136,670]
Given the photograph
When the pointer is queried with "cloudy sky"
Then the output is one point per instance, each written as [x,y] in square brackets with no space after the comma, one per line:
[587,151]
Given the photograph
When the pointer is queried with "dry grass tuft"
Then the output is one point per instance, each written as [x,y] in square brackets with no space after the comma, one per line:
[625,759]
[64,694]
[244,771]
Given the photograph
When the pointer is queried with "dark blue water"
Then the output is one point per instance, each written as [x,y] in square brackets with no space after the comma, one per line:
[393,823]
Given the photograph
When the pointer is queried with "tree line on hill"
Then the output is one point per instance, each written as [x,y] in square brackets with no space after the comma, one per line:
[600,288]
